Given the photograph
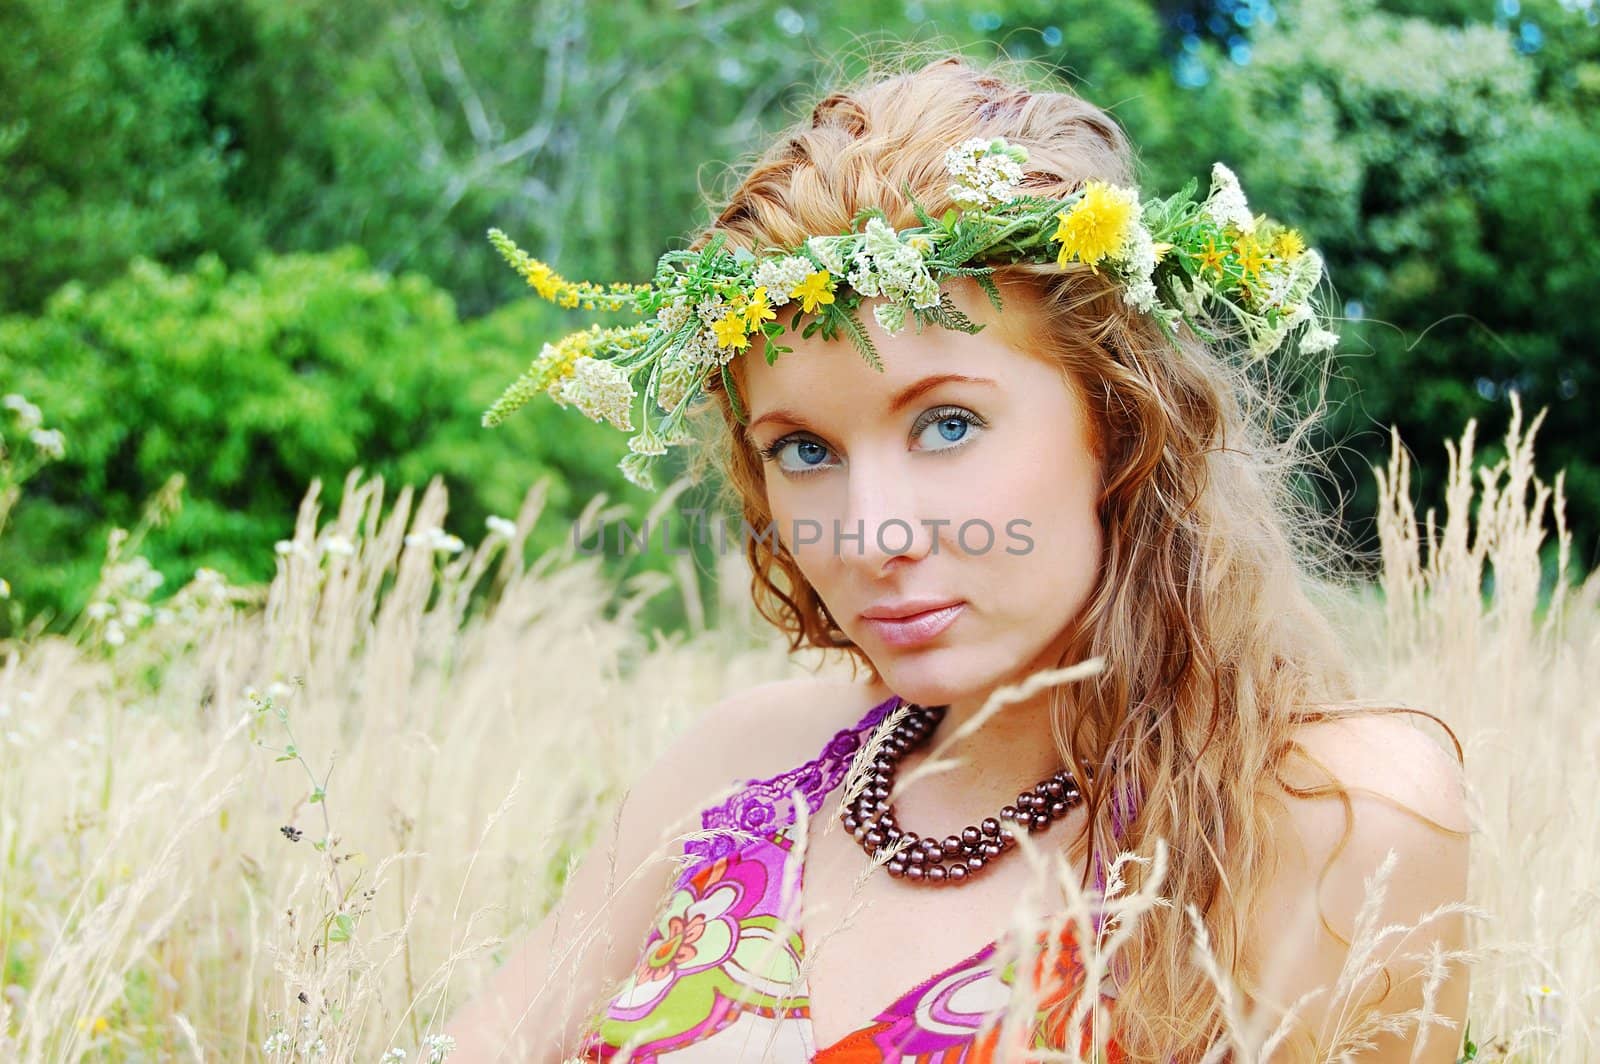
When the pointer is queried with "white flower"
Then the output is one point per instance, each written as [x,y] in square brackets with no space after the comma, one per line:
[827,251]
[602,390]
[674,384]
[891,268]
[283,548]
[1140,294]
[1546,1003]
[279,689]
[891,316]
[49,441]
[985,172]
[28,415]
[437,1047]
[500,526]
[673,314]
[780,276]
[115,635]
[1225,202]
[646,442]
[277,1042]
[315,1049]
[99,611]
[394,1055]
[1317,340]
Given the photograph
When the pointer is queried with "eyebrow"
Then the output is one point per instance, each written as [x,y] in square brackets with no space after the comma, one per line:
[904,398]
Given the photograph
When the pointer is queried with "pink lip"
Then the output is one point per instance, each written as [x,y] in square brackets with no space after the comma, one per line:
[915,628]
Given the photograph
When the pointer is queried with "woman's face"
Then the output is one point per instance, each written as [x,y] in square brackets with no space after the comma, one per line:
[905,490]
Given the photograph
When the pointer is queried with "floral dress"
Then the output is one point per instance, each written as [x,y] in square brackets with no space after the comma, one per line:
[719,978]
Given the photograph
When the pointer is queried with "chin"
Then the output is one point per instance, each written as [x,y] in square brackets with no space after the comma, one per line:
[938,676]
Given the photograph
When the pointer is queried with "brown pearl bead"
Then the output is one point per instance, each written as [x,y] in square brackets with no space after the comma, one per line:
[954,859]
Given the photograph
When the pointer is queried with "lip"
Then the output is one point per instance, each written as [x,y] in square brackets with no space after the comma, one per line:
[906,624]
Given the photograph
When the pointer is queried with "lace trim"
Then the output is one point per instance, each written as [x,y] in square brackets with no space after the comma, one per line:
[764,805]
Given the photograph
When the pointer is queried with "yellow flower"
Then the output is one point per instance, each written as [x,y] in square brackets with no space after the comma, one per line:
[814,291]
[757,311]
[1289,244]
[1161,250]
[1250,255]
[542,278]
[1211,256]
[1098,224]
[921,243]
[730,331]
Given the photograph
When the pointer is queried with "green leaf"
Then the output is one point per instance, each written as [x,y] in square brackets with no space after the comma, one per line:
[949,220]
[733,396]
[343,925]
[852,327]
[317,795]
[284,757]
[990,289]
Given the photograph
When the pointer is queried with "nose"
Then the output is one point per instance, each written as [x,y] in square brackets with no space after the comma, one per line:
[883,519]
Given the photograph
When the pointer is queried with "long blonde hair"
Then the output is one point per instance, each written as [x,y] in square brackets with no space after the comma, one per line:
[1214,652]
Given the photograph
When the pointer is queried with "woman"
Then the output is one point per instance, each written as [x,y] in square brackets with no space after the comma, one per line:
[1072,469]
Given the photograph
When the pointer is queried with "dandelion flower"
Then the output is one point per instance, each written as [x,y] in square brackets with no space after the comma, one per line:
[1098,225]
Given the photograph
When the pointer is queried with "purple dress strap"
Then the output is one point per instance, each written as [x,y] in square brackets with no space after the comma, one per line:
[765,805]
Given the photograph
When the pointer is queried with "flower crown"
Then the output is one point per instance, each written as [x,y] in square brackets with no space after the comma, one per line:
[1173,258]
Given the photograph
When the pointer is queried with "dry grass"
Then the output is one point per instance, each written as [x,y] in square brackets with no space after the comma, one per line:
[439,764]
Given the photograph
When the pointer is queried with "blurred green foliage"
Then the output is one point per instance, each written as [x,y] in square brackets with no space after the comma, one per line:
[252,384]
[190,170]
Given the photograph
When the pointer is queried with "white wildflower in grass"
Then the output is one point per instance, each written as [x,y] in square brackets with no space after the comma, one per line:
[436,1047]
[602,391]
[277,1043]
[99,611]
[29,416]
[396,1055]
[780,275]
[1226,203]
[315,1049]
[1546,1003]
[984,172]
[500,526]
[51,443]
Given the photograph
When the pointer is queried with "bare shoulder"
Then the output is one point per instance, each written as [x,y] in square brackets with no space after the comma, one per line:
[1371,837]
[771,727]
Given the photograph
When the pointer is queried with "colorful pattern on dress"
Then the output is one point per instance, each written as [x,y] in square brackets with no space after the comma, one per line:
[719,978]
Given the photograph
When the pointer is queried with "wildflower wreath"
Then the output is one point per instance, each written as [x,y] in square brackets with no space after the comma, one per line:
[1175,259]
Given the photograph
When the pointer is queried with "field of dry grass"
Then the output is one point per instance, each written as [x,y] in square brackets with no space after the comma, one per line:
[262,824]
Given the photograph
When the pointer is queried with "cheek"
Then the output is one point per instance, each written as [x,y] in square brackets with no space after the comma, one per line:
[1056,498]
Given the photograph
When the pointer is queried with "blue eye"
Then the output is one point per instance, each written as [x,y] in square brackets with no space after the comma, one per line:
[952,425]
